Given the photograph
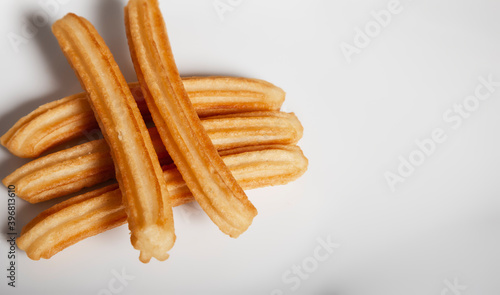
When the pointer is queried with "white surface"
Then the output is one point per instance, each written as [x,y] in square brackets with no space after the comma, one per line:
[441,224]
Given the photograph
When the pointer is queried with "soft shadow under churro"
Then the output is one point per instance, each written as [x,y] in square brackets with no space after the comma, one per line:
[59,69]
[67,84]
[47,44]
[111,26]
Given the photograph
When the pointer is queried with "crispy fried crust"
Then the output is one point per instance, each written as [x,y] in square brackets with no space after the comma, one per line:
[92,213]
[219,95]
[138,171]
[71,117]
[185,139]
[85,165]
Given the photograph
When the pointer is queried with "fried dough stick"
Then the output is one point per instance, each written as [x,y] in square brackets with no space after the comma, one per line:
[86,215]
[180,129]
[68,171]
[71,117]
[138,170]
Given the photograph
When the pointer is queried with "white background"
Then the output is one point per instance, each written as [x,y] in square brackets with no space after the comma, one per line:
[440,226]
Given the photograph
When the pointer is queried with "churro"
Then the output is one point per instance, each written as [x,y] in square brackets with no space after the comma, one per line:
[138,171]
[68,171]
[180,129]
[92,213]
[71,117]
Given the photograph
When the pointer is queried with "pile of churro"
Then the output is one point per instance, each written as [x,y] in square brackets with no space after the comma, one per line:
[209,139]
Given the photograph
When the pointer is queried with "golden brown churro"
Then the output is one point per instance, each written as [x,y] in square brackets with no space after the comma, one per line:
[138,171]
[71,221]
[185,139]
[218,95]
[71,117]
[92,213]
[68,171]
[85,165]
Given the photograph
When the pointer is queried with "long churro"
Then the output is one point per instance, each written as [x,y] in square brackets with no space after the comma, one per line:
[90,214]
[68,171]
[180,129]
[71,117]
[138,171]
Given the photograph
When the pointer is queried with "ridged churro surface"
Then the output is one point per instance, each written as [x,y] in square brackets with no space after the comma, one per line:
[92,213]
[71,117]
[138,171]
[88,164]
[185,139]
